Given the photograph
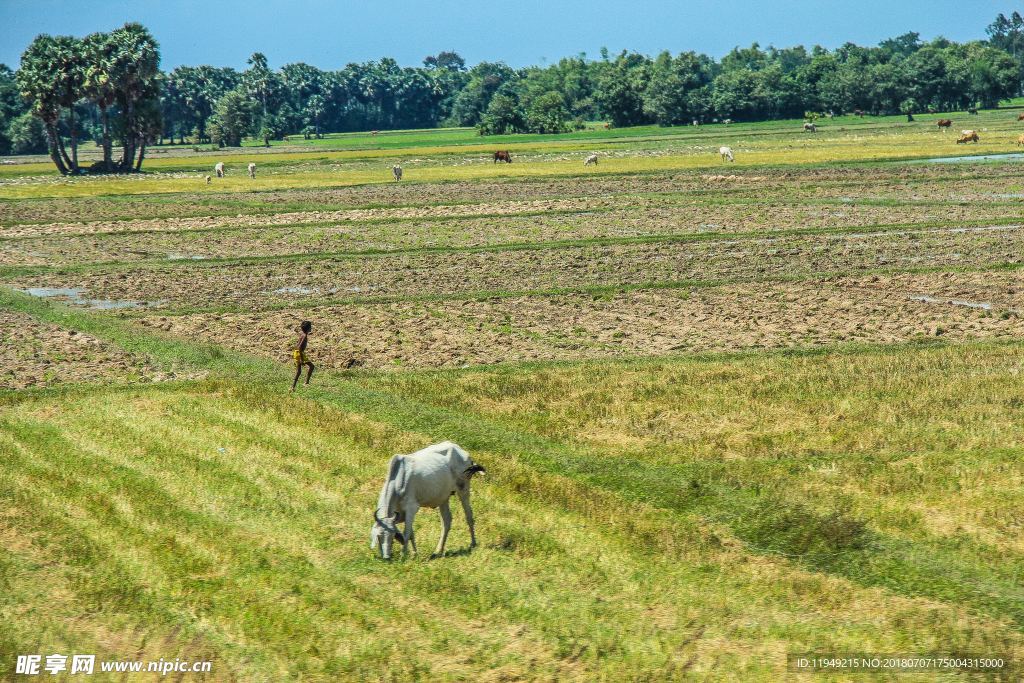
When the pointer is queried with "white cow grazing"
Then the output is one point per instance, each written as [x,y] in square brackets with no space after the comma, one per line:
[592,159]
[426,478]
[219,169]
[208,180]
[396,171]
[726,153]
[810,127]
[252,170]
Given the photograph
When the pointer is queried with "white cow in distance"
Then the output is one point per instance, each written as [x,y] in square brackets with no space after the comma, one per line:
[219,169]
[592,159]
[726,153]
[252,170]
[427,478]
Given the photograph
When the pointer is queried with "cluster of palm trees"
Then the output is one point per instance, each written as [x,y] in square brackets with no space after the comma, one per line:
[118,72]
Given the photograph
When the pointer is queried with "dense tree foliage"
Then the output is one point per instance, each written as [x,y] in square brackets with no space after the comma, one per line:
[117,72]
[1007,34]
[107,87]
[189,98]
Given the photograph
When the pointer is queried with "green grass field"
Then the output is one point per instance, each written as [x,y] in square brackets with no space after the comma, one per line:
[728,412]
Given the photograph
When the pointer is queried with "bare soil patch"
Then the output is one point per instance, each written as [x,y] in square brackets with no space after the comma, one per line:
[648,322]
[286,218]
[37,354]
[251,285]
[646,218]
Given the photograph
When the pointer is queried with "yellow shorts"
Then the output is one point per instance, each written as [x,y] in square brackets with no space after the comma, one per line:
[299,357]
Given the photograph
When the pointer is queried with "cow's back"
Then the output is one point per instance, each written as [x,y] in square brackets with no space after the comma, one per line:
[431,481]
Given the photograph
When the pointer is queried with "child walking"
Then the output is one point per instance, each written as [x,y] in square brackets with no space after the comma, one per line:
[299,354]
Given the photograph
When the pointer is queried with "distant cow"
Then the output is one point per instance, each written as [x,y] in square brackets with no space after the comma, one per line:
[1020,141]
[1020,117]
[727,121]
[972,110]
[810,127]
[592,159]
[396,171]
[607,126]
[858,112]
[726,153]
[427,478]
[219,169]
[503,155]
[944,123]
[208,180]
[252,170]
[967,136]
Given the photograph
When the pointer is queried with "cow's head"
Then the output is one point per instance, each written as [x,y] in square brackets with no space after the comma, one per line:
[383,533]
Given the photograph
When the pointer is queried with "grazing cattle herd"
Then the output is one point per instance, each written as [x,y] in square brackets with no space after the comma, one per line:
[725,152]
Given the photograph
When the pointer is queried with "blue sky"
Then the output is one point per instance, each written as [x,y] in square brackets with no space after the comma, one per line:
[329,34]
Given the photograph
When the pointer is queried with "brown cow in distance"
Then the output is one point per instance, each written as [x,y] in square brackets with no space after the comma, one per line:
[945,123]
[1020,117]
[967,136]
[502,155]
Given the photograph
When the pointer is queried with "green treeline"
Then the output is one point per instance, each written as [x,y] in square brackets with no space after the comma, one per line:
[107,88]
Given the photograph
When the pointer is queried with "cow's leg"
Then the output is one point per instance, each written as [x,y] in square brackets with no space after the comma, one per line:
[446,525]
[464,499]
[410,535]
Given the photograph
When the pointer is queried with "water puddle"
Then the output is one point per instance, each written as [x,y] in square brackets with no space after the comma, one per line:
[983,305]
[977,158]
[75,295]
[297,290]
